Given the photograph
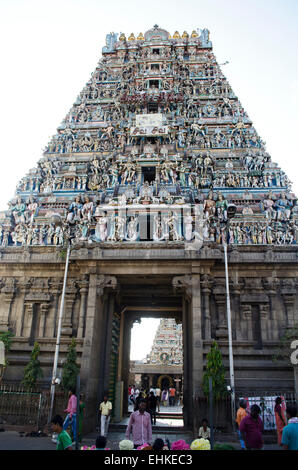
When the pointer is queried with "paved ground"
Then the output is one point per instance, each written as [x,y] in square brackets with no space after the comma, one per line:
[11,440]
[168,428]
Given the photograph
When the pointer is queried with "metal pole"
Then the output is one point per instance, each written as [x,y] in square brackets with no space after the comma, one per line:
[54,373]
[230,336]
[211,413]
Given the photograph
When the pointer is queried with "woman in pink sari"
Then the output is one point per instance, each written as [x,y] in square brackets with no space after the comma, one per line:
[280,418]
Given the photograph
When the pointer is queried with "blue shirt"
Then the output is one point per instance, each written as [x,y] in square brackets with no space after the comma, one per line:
[290,436]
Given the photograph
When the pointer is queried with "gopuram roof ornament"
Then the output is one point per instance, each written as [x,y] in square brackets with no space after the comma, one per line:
[156,34]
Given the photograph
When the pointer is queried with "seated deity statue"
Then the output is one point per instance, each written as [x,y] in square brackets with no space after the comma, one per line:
[18,211]
[74,211]
[283,207]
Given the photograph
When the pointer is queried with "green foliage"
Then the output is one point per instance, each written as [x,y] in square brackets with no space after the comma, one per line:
[216,371]
[6,337]
[33,369]
[223,447]
[70,368]
[284,351]
[62,254]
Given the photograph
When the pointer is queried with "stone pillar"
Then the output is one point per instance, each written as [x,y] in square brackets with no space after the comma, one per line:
[83,292]
[206,306]
[92,356]
[196,327]
[56,288]
[236,317]
[8,295]
[44,308]
[273,320]
[222,327]
[67,326]
[128,323]
[108,339]
[246,321]
[289,302]
[28,317]
[193,344]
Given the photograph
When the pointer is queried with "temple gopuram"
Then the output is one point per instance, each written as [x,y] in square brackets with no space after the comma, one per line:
[154,169]
[163,366]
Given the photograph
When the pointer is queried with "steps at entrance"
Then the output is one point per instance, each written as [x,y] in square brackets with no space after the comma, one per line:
[169,416]
[114,427]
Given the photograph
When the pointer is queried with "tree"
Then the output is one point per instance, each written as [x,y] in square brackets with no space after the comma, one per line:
[6,338]
[70,368]
[33,369]
[215,369]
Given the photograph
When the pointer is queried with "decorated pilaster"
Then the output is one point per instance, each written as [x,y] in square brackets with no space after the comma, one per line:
[8,292]
[92,366]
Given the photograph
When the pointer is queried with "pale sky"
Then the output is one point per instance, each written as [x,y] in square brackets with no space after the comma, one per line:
[142,336]
[50,48]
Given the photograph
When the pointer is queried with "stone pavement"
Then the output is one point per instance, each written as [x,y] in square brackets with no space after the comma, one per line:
[11,440]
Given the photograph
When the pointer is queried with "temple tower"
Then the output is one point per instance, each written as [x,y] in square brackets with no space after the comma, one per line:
[140,178]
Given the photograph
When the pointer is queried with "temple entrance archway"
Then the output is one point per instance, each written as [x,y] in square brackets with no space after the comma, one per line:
[165,381]
[135,296]
[147,297]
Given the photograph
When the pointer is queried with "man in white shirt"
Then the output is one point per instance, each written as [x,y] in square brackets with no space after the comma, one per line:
[105,409]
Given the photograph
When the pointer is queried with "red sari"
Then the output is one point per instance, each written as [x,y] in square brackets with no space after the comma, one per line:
[280,424]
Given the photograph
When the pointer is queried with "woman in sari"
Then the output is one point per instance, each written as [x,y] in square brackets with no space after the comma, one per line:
[280,418]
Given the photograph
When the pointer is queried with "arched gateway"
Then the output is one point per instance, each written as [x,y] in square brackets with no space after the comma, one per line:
[153,157]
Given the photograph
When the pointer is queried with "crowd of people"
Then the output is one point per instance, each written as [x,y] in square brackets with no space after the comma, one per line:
[166,397]
[250,426]
[138,433]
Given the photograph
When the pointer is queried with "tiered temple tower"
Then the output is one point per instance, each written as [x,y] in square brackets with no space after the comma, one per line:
[167,344]
[141,177]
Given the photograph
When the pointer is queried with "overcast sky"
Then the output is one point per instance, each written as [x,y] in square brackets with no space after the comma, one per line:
[50,48]
[142,336]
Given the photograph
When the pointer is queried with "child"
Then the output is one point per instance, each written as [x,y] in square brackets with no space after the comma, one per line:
[64,441]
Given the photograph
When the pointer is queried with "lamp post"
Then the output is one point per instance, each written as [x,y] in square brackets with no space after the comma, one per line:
[230,214]
[57,221]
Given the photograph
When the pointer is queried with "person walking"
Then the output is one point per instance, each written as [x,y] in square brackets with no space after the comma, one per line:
[251,428]
[64,441]
[165,397]
[151,406]
[81,416]
[139,426]
[105,410]
[241,414]
[71,410]
[172,392]
[289,439]
[280,419]
[158,395]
